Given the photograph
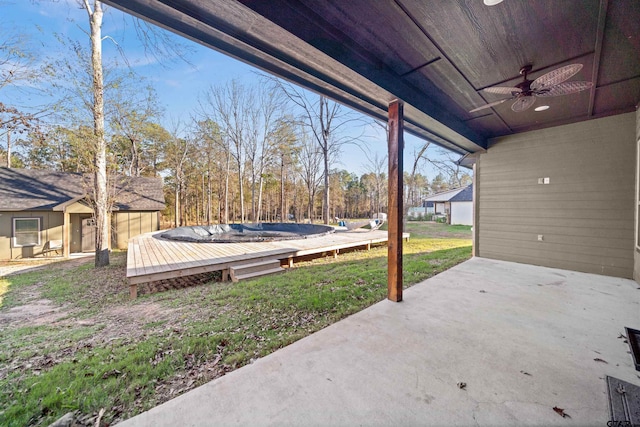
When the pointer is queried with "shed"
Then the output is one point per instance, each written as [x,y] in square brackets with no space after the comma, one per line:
[44,212]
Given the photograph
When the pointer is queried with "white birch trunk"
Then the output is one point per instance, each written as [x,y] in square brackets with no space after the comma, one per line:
[102,205]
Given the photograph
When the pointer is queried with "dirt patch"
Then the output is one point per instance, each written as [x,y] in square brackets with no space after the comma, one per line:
[36,313]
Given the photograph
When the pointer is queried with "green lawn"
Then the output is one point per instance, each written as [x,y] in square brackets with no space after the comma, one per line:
[100,350]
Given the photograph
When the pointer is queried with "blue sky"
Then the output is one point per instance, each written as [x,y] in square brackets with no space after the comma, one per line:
[178,85]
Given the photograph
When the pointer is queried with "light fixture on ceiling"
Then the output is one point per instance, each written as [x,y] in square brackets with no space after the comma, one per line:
[541,108]
[491,2]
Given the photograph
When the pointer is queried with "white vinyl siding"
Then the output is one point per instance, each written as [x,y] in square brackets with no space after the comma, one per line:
[26,232]
[461,213]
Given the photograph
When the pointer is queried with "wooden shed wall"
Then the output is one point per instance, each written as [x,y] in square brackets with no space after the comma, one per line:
[585,214]
[636,254]
[126,225]
[50,229]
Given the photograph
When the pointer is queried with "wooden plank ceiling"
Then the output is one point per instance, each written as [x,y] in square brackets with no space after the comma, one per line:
[436,56]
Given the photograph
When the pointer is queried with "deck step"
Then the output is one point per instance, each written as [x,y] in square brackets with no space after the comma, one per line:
[237,278]
[260,268]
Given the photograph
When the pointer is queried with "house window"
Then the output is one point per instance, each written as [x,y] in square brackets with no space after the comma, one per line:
[26,232]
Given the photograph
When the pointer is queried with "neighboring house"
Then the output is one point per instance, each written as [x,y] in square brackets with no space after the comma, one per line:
[462,207]
[456,205]
[429,207]
[45,212]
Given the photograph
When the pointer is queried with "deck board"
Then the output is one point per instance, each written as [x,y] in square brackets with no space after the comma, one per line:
[153,258]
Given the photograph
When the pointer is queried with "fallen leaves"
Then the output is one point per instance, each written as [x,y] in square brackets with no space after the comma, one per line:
[526,373]
[112,373]
[561,412]
[462,386]
[597,359]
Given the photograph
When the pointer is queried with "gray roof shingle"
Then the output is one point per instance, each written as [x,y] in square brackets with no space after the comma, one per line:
[35,189]
[465,195]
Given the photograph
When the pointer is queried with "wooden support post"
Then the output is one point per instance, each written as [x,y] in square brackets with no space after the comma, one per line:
[225,275]
[335,253]
[66,234]
[290,262]
[133,291]
[474,225]
[396,145]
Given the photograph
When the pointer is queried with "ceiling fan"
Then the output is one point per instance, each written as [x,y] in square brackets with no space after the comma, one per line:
[550,84]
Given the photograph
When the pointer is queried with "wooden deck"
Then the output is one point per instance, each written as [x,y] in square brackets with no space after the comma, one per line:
[152,258]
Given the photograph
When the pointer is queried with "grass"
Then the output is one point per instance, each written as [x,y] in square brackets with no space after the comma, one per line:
[128,356]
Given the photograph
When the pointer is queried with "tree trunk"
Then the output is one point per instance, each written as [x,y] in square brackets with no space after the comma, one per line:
[325,204]
[8,150]
[282,209]
[209,198]
[260,185]
[102,208]
[226,189]
[241,191]
[254,208]
[324,123]
[176,206]
[135,159]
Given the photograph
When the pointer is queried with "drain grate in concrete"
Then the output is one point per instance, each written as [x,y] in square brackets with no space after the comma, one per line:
[633,336]
[624,401]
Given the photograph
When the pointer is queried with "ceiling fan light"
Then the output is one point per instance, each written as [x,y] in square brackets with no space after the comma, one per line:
[491,2]
[541,108]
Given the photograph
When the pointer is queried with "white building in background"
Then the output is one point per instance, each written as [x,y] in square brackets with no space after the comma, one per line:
[456,205]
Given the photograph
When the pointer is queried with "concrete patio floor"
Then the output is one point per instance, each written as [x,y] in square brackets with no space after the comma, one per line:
[523,338]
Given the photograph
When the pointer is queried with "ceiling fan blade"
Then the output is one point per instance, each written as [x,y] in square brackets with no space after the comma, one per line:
[555,77]
[523,103]
[503,90]
[565,88]
[492,104]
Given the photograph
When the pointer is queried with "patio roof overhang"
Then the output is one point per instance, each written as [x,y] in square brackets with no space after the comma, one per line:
[434,56]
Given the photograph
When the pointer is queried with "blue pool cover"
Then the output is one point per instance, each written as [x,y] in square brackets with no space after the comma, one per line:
[259,232]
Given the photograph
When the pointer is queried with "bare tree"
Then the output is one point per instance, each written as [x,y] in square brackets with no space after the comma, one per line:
[132,117]
[448,165]
[287,151]
[263,119]
[17,66]
[419,155]
[376,166]
[310,170]
[330,124]
[154,41]
[229,105]
[100,199]
[16,59]
[177,152]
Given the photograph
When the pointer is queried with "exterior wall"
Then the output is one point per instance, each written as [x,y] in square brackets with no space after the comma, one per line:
[126,225]
[585,214]
[636,252]
[50,229]
[76,231]
[77,212]
[461,213]
[441,207]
